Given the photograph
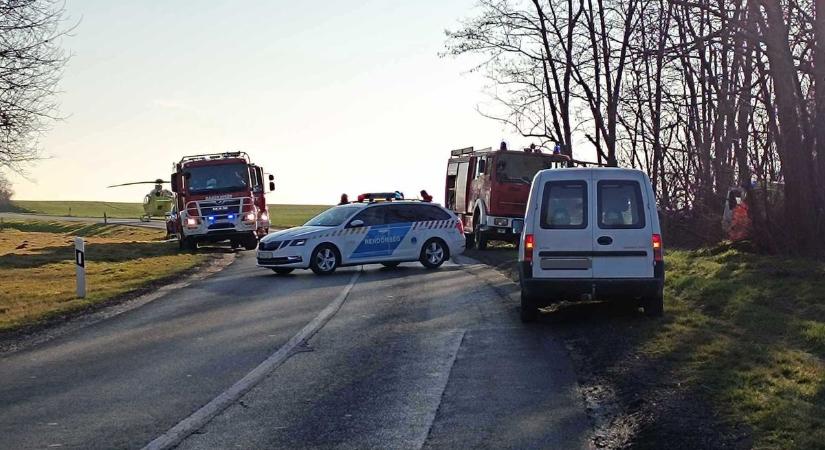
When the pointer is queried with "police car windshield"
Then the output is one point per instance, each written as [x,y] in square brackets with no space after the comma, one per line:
[333,216]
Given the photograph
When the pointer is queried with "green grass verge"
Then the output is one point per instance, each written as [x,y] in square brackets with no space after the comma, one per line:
[282,216]
[38,274]
[751,331]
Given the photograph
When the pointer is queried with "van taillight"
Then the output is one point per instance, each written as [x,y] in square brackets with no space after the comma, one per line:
[658,256]
[528,247]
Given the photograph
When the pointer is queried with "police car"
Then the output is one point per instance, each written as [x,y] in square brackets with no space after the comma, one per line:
[388,233]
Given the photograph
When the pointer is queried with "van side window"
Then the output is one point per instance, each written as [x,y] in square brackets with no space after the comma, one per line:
[564,205]
[620,205]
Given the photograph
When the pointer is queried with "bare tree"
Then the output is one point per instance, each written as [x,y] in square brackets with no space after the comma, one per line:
[31,63]
[6,191]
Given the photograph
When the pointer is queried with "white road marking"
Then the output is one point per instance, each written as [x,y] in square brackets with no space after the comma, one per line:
[207,412]
[442,378]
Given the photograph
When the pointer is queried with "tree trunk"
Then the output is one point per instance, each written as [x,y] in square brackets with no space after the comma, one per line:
[794,152]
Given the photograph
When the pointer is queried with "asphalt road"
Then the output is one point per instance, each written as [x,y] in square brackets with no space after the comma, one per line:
[411,359]
[132,222]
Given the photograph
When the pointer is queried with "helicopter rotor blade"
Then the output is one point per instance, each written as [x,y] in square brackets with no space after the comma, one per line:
[139,182]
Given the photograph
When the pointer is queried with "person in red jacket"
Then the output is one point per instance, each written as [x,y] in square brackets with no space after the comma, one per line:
[426,197]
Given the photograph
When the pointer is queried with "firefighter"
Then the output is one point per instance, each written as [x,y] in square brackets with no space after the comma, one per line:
[426,197]
[344,199]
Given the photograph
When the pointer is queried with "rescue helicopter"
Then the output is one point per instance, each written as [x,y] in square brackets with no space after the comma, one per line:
[157,203]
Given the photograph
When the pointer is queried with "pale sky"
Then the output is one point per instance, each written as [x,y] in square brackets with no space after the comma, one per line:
[330,96]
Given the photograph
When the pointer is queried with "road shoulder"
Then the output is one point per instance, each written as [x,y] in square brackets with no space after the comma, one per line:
[30,336]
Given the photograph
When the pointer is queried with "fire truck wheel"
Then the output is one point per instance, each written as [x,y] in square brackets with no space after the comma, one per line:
[187,243]
[250,243]
[325,259]
[480,240]
[283,270]
[434,253]
[470,241]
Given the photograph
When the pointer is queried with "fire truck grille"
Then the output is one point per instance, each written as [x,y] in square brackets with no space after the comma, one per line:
[220,207]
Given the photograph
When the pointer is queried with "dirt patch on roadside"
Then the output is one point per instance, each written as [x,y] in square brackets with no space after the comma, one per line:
[634,400]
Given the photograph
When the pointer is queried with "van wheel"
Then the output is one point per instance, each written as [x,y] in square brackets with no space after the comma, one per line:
[654,306]
[529,311]
[324,260]
[434,253]
[283,270]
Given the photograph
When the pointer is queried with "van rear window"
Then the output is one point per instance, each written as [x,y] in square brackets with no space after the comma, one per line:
[564,205]
[620,205]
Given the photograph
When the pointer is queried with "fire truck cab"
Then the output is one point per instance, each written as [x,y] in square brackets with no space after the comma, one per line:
[488,189]
[219,197]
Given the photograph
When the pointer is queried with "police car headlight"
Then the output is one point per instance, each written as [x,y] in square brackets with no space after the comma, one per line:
[299,242]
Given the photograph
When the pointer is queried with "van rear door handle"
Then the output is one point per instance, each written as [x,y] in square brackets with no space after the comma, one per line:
[605,240]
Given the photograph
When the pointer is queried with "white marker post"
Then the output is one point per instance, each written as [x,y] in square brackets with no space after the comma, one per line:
[80,265]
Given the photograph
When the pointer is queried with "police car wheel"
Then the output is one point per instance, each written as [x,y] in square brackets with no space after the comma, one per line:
[434,253]
[324,259]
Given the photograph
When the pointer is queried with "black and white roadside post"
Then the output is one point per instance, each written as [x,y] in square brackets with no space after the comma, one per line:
[80,265]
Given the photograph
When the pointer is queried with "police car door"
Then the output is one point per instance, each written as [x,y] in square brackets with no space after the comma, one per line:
[366,237]
[403,242]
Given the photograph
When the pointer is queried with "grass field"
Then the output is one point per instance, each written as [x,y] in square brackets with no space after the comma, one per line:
[751,330]
[38,274]
[746,331]
[282,216]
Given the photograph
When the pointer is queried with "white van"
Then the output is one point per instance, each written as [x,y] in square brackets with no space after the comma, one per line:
[591,233]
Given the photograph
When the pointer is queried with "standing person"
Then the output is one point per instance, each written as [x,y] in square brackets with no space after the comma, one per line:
[344,199]
[426,197]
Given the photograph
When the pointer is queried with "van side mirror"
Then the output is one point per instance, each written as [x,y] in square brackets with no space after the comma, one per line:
[356,223]
[175,183]
[271,185]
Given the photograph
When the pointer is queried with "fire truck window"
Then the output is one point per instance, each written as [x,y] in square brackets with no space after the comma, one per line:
[482,166]
[371,216]
[218,178]
[520,168]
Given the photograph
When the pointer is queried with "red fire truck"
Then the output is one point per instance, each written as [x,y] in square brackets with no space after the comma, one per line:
[219,197]
[488,190]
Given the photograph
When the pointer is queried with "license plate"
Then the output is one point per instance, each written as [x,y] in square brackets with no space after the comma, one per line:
[265,255]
